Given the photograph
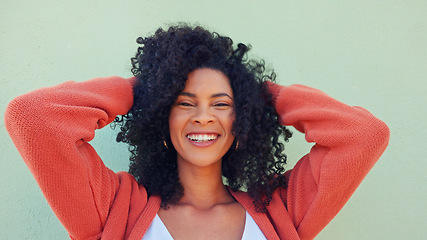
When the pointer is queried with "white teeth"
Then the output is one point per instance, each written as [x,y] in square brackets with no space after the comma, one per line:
[202,137]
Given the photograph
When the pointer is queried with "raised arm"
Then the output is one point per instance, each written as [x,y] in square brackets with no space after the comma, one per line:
[51,128]
[349,140]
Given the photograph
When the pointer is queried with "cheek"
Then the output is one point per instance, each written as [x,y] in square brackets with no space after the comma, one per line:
[232,118]
[173,124]
[228,121]
[177,124]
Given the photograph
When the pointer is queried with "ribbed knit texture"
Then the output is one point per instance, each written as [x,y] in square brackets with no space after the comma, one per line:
[51,128]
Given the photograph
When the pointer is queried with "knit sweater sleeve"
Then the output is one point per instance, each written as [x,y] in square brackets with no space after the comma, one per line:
[348,141]
[51,128]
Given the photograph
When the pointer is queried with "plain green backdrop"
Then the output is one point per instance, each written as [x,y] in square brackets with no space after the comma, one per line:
[367,53]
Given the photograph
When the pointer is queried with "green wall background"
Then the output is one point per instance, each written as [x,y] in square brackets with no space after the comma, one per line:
[367,53]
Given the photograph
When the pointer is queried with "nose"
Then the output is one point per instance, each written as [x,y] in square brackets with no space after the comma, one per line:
[203,116]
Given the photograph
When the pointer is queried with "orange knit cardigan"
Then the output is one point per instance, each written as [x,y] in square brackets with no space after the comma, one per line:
[51,128]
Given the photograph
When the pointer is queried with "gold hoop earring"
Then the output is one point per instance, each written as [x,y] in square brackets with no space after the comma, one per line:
[237,145]
[164,143]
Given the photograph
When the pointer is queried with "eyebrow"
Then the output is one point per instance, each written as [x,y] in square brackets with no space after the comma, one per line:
[192,95]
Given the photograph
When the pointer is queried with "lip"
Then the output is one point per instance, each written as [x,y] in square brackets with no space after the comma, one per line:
[202,144]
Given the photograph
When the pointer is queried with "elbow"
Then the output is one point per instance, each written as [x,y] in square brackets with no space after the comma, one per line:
[384,134]
[375,132]
[13,111]
[375,129]
[19,115]
[380,136]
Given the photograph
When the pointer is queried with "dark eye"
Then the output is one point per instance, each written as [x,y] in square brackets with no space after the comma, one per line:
[222,105]
[185,104]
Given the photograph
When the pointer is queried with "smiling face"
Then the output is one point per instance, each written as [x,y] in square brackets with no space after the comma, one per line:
[201,119]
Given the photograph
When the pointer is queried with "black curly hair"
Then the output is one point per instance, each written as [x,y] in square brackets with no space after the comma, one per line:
[161,67]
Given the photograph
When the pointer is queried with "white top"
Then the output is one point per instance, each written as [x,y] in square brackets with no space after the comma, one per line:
[158,230]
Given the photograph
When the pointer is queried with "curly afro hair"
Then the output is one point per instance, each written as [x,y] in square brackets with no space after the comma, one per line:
[161,66]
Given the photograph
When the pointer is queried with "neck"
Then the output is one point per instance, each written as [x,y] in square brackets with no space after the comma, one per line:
[203,186]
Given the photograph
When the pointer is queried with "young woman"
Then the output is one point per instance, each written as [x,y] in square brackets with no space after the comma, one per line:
[195,115]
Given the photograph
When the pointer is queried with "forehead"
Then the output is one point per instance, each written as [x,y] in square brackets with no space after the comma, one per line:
[207,80]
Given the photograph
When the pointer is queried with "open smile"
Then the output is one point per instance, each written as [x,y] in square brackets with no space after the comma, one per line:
[200,138]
